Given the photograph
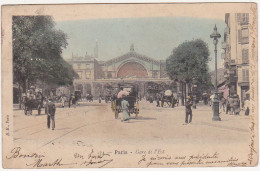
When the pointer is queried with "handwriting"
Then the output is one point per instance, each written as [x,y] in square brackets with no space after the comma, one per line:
[100,158]
[191,160]
[39,163]
[16,153]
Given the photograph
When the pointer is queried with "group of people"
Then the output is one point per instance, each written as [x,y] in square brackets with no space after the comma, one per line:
[231,105]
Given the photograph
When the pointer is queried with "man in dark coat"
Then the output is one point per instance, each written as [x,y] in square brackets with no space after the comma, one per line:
[50,109]
[188,110]
[158,98]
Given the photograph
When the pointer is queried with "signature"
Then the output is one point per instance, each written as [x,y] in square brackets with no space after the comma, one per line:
[101,158]
[40,163]
[16,153]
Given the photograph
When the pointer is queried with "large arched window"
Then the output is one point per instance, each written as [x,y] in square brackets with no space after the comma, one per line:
[132,69]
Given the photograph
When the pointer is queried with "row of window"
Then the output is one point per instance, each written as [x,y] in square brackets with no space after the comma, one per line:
[243,36]
[245,75]
[243,18]
[87,74]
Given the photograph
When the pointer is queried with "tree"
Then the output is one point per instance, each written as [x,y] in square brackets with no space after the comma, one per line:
[37,48]
[189,61]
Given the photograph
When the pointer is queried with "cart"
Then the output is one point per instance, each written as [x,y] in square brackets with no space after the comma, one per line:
[132,99]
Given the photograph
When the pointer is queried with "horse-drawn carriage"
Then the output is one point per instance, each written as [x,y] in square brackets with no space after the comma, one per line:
[130,91]
[169,98]
[32,103]
[152,92]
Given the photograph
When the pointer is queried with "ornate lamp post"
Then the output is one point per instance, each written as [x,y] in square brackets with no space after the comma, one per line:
[215,35]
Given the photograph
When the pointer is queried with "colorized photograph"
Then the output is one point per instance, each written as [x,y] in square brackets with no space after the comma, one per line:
[129,85]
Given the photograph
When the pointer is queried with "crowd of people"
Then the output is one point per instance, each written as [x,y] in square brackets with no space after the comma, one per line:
[230,105]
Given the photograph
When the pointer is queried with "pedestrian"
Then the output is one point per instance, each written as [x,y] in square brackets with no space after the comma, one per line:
[158,100]
[194,102]
[173,101]
[125,105]
[188,110]
[177,101]
[99,99]
[50,110]
[230,105]
[222,103]
[246,106]
[70,100]
[162,101]
[236,105]
[63,101]
[73,100]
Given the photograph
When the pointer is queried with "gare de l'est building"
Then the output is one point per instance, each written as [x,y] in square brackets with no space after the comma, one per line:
[95,76]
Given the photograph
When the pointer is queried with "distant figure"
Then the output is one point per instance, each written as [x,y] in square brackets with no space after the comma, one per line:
[246,106]
[229,108]
[73,100]
[177,101]
[70,100]
[50,110]
[100,98]
[173,101]
[236,104]
[205,99]
[158,100]
[124,105]
[188,110]
[194,99]
[223,103]
[162,101]
[63,101]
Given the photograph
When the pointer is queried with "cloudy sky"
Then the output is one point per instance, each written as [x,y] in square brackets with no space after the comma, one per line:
[154,36]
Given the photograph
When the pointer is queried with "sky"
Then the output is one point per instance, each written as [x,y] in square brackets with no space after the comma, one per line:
[154,37]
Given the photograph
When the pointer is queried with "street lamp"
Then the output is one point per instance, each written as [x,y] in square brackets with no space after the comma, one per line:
[215,35]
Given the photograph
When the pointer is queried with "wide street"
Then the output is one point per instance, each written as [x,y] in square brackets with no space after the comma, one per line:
[94,123]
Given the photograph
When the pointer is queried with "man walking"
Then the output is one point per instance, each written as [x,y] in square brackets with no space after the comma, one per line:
[124,105]
[158,100]
[50,109]
[188,110]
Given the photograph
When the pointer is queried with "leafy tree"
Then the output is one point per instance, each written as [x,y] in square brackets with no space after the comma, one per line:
[37,48]
[188,63]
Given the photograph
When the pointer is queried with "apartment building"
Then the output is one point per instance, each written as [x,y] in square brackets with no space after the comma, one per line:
[236,53]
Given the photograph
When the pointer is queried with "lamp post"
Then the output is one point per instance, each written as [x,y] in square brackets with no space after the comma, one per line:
[215,35]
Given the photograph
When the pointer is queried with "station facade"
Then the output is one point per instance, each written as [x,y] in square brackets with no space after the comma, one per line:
[95,76]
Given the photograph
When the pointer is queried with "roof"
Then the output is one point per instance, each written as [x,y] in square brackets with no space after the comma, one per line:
[131,54]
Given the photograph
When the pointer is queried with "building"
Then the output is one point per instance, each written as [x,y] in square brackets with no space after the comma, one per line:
[95,76]
[236,53]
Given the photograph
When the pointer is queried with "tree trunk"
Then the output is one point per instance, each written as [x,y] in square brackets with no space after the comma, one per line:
[20,96]
[182,94]
[185,92]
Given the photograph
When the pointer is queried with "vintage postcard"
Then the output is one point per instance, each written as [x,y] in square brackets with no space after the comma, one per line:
[129,85]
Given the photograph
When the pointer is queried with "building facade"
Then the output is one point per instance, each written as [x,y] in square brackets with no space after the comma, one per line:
[236,53]
[95,76]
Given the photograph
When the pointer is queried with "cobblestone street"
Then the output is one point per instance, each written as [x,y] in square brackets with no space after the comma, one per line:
[94,123]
